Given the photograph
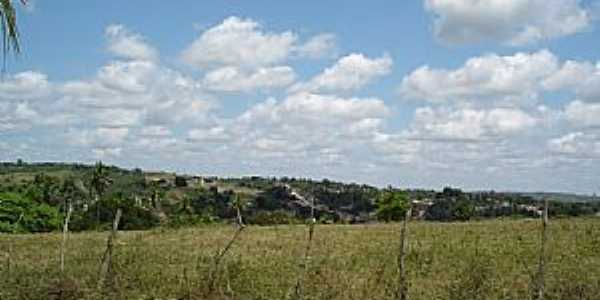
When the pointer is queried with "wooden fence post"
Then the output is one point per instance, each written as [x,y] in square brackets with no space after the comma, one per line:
[107,258]
[540,276]
[64,239]
[402,293]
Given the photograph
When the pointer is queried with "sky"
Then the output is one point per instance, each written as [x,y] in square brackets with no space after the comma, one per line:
[475,94]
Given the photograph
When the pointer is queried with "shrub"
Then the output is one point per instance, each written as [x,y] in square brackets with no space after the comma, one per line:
[20,214]
[265,218]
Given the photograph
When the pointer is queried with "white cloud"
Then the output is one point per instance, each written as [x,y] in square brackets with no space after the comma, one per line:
[581,77]
[215,134]
[513,22]
[239,42]
[569,75]
[104,153]
[469,125]
[303,126]
[125,44]
[102,140]
[234,79]
[576,144]
[307,108]
[321,45]
[16,116]
[136,93]
[29,85]
[501,79]
[350,72]
[488,116]
[128,77]
[397,148]
[582,114]
[155,131]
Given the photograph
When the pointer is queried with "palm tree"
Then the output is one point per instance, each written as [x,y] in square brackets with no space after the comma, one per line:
[98,184]
[10,33]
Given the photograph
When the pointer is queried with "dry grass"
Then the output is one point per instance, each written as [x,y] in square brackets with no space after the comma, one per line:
[479,260]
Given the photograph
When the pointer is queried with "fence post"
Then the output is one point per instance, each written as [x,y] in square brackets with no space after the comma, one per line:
[402,292]
[220,255]
[64,239]
[107,258]
[540,277]
[298,290]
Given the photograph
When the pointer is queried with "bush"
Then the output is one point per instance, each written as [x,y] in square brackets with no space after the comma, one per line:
[183,220]
[265,218]
[20,214]
[133,218]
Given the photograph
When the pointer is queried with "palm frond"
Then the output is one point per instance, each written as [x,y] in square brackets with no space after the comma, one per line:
[8,24]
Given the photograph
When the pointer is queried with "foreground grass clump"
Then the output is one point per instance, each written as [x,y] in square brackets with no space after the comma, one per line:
[478,260]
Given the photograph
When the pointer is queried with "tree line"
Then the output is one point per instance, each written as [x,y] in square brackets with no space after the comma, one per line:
[36,198]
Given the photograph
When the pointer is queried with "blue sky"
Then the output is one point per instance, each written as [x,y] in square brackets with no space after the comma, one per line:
[477,94]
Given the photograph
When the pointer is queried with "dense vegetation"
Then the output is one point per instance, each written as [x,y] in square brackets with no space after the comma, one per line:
[35,197]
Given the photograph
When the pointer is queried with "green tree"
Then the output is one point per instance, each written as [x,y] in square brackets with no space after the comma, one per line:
[463,210]
[99,183]
[44,189]
[71,192]
[392,205]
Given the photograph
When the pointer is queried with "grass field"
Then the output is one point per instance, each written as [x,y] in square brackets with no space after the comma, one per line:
[477,260]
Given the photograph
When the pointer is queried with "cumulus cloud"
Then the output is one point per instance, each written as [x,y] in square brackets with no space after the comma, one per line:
[321,45]
[512,22]
[28,85]
[576,144]
[103,141]
[234,79]
[213,134]
[305,126]
[245,43]
[135,92]
[239,42]
[510,79]
[488,115]
[570,75]
[582,77]
[125,44]
[16,117]
[582,114]
[349,73]
[469,125]
[307,108]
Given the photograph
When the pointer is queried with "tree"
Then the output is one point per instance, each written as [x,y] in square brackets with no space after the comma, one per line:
[44,189]
[392,205]
[463,210]
[100,180]
[99,183]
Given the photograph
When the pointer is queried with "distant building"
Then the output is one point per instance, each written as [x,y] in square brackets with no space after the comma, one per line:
[420,207]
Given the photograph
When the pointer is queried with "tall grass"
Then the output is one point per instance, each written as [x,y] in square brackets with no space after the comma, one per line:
[477,260]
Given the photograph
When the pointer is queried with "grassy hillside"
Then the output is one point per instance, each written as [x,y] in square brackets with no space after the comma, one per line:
[476,260]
